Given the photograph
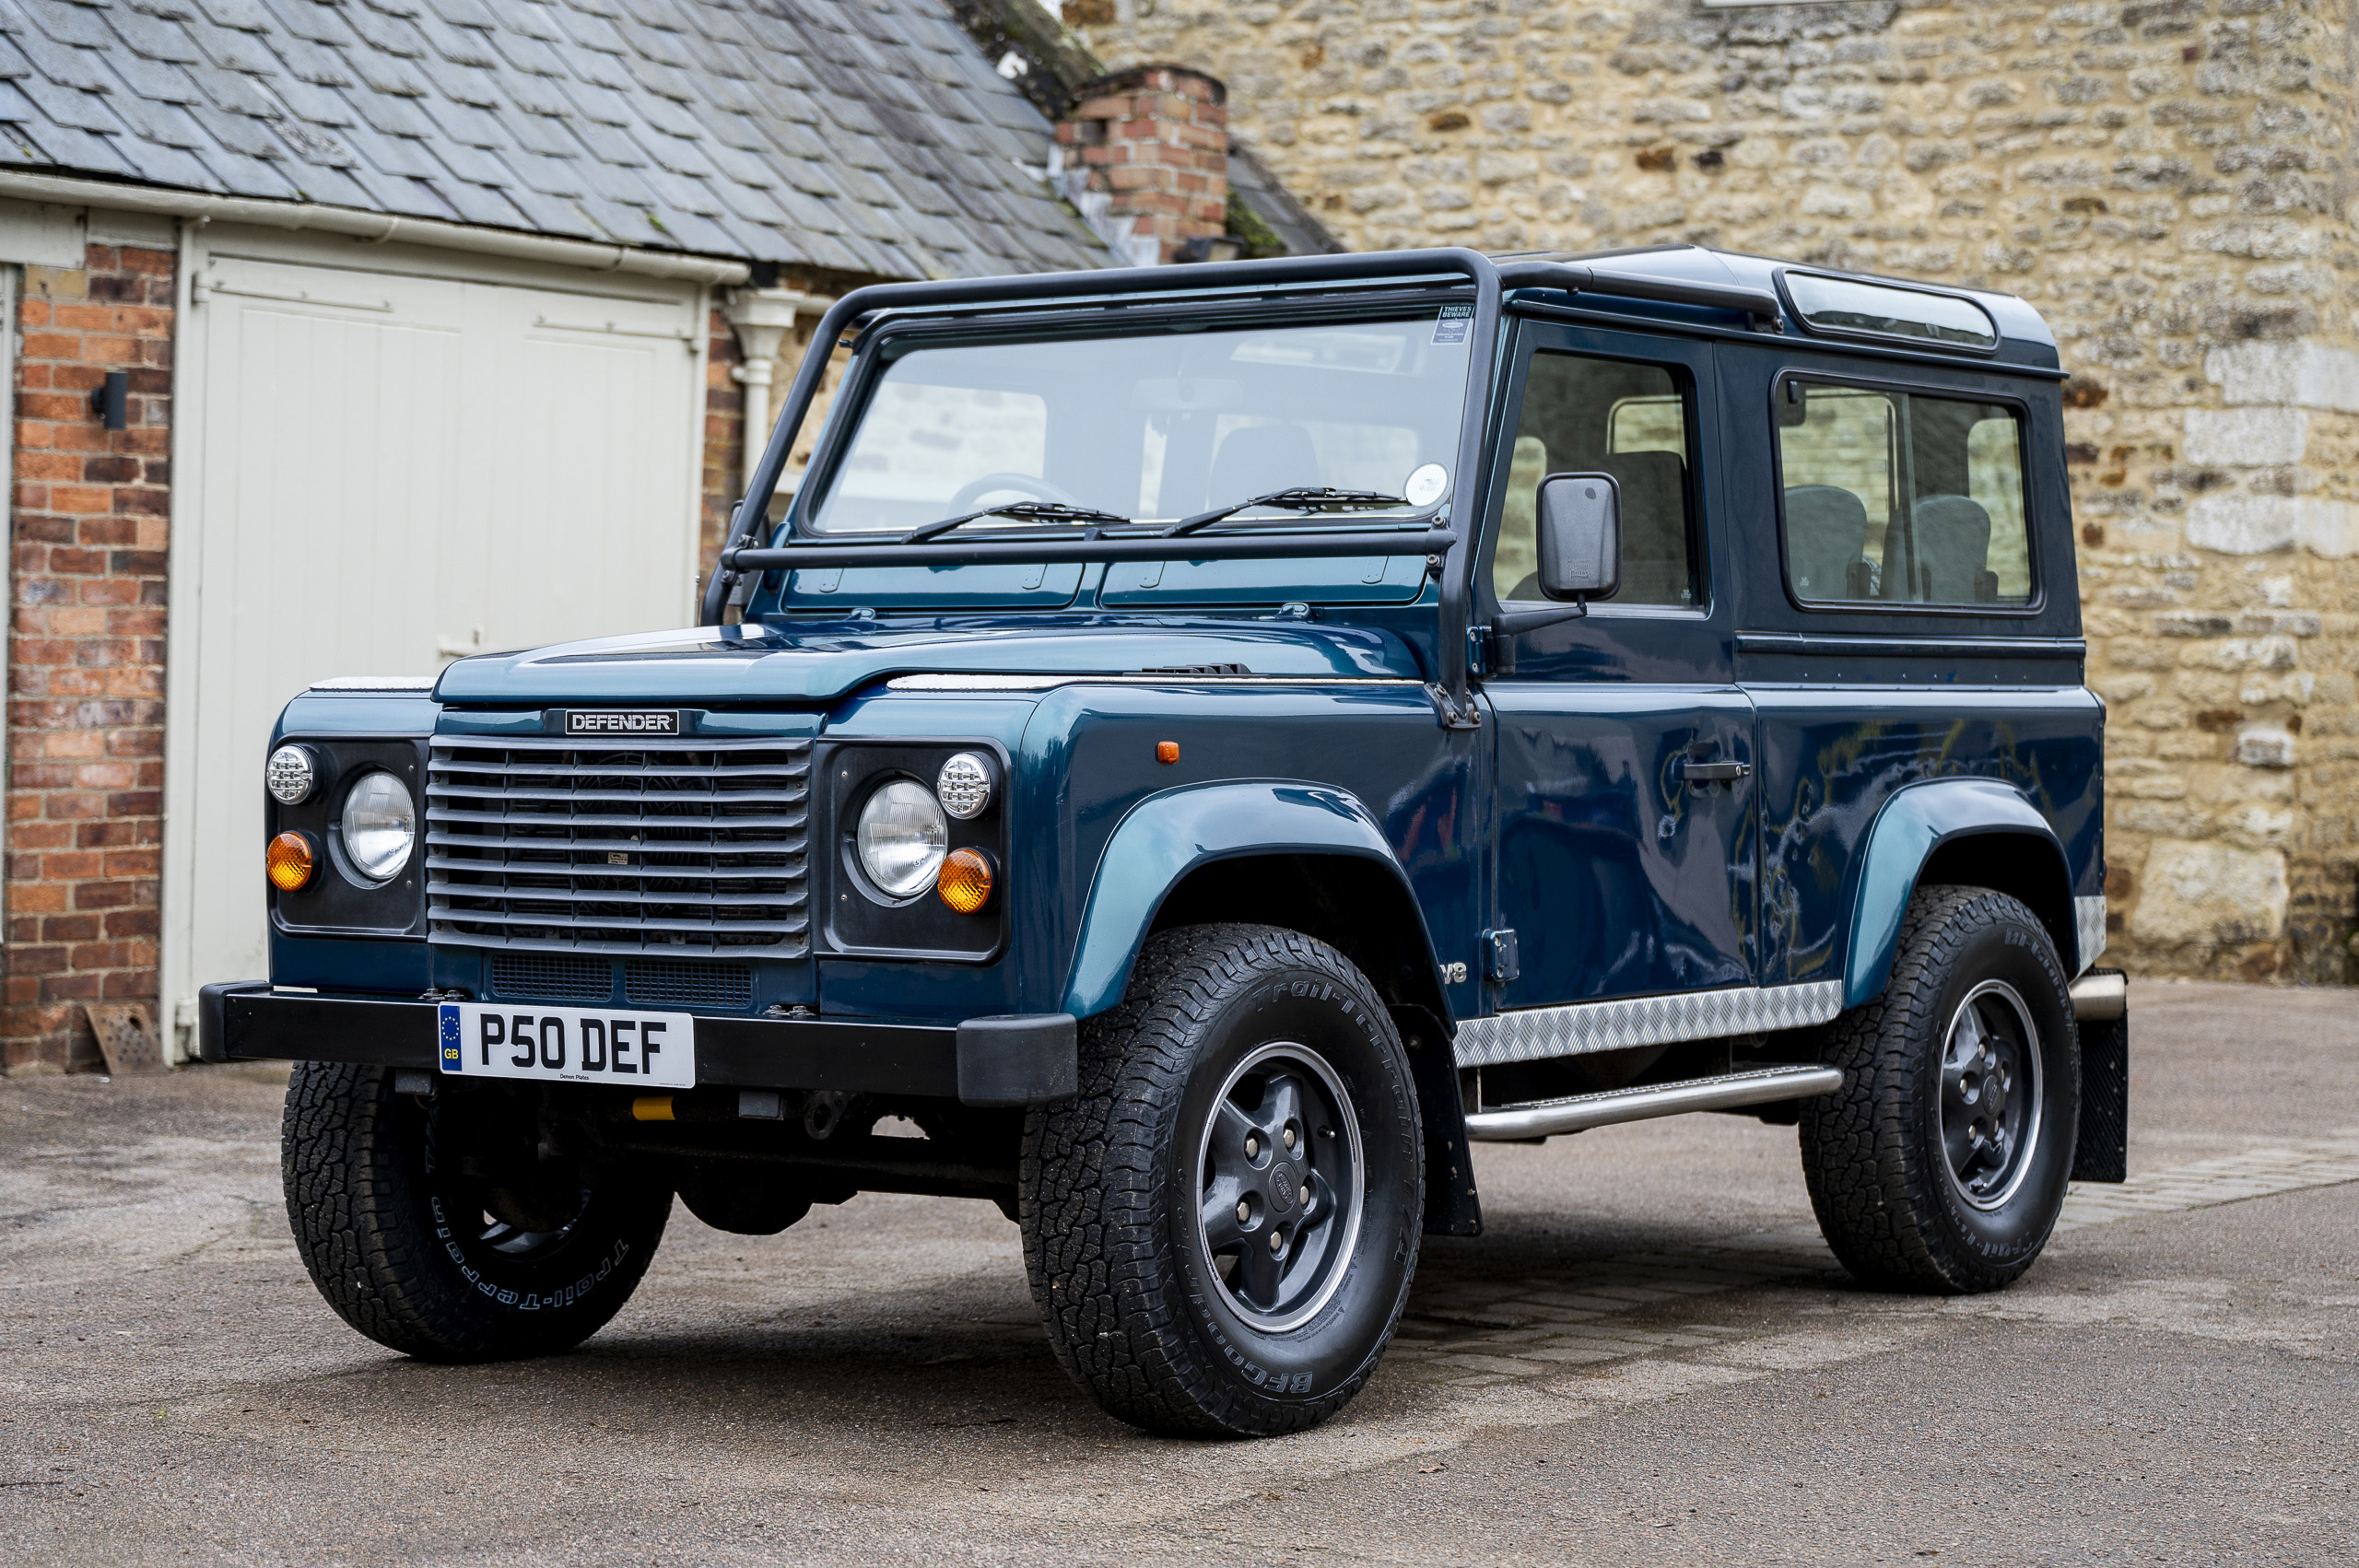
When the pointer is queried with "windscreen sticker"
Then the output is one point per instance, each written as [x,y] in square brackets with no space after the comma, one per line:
[1455,322]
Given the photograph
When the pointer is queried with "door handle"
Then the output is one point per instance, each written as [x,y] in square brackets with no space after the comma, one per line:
[1714,772]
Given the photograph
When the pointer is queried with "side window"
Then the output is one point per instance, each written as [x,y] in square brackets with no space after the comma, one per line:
[1588,416]
[1898,497]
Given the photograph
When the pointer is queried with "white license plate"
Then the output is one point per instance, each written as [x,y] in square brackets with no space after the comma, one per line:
[568,1045]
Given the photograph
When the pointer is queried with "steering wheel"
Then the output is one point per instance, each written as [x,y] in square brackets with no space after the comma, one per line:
[975,490]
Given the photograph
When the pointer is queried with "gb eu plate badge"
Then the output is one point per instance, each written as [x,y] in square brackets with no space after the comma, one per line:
[447,1032]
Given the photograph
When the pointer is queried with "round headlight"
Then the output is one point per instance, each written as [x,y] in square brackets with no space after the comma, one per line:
[902,837]
[964,786]
[291,776]
[379,824]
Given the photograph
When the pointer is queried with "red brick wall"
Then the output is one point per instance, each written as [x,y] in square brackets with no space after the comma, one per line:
[1156,137]
[86,654]
[724,439]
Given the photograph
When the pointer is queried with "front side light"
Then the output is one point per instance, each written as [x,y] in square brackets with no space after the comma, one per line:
[291,775]
[290,862]
[964,786]
[378,825]
[965,881]
[901,837]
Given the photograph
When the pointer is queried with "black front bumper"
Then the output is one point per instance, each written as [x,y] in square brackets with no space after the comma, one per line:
[1020,1060]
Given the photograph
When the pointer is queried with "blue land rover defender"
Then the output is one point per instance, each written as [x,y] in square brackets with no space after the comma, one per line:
[1204,745]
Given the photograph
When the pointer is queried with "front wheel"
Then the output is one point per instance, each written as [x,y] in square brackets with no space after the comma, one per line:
[1220,1229]
[449,1229]
[1942,1163]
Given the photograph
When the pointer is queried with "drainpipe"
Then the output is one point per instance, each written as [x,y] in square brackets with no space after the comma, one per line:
[761,318]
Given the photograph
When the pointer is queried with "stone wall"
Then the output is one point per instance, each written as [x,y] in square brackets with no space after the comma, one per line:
[2166,180]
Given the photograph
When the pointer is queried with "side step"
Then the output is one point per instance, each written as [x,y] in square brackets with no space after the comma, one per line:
[1542,1119]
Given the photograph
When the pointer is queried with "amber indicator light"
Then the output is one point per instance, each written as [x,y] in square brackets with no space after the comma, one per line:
[1167,750]
[965,882]
[289,861]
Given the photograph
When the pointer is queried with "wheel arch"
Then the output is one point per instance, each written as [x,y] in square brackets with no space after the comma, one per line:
[1307,857]
[1207,844]
[1971,832]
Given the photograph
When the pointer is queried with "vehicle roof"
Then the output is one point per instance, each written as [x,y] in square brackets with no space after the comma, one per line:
[1682,288]
[2020,326]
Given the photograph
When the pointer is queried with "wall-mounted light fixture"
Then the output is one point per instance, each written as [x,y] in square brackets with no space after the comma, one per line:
[110,400]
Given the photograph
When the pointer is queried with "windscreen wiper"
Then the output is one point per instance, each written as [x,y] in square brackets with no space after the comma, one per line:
[1022,512]
[1301,498]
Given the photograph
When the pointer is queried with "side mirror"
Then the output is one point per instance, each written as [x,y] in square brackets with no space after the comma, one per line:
[1580,535]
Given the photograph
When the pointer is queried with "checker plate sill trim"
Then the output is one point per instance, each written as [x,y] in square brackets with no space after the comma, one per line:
[1536,1033]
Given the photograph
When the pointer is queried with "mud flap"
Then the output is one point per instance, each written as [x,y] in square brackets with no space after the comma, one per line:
[2103,1151]
[1453,1208]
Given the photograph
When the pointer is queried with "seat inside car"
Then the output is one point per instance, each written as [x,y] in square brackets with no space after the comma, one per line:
[1254,460]
[1952,540]
[1827,532]
[1654,526]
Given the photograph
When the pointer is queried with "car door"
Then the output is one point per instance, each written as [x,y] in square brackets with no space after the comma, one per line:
[1623,845]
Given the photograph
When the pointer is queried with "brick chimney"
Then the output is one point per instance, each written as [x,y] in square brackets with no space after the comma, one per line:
[1150,146]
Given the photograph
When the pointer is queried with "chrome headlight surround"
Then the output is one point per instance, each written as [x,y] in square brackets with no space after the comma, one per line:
[376,828]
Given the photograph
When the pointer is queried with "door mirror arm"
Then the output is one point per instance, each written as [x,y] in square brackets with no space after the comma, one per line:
[1515,623]
[1508,625]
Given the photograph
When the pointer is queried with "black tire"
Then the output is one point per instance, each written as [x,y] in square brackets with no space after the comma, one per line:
[1183,1327]
[1942,1163]
[405,1246]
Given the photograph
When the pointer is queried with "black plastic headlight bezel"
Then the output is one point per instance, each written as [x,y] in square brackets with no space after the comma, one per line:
[859,920]
[338,900]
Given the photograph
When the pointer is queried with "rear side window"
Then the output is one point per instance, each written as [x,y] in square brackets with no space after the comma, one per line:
[1899,497]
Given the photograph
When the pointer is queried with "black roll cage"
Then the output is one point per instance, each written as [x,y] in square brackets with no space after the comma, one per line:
[1449,549]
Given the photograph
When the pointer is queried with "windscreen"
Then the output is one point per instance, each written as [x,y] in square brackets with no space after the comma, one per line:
[1156,425]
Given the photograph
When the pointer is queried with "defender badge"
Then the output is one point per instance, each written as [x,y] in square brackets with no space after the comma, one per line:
[622,721]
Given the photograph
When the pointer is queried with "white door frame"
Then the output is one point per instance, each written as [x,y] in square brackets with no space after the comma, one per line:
[200,241]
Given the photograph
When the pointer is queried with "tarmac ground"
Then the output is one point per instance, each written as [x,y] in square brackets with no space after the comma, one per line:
[1650,1357]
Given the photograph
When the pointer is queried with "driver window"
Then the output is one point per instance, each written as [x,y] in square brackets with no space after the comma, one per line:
[1583,414]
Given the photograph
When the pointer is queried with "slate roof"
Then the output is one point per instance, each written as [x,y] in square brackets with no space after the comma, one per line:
[869,135]
[1258,186]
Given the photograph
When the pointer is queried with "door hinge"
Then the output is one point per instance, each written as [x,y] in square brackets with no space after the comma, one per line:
[1478,650]
[1500,962]
[1453,714]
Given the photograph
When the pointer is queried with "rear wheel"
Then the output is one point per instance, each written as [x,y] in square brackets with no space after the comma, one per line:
[1943,1162]
[1221,1227]
[449,1230]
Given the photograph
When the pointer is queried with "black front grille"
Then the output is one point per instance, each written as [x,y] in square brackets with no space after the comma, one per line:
[549,976]
[663,845]
[688,984]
